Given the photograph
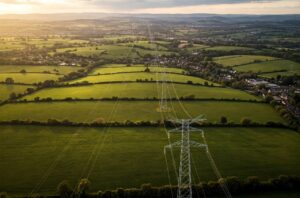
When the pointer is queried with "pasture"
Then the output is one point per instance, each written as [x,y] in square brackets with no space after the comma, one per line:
[269,66]
[145,76]
[134,68]
[38,69]
[38,158]
[228,48]
[231,61]
[29,78]
[140,90]
[92,111]
[6,90]
[148,45]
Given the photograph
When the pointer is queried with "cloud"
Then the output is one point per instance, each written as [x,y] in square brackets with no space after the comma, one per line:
[142,4]
[152,6]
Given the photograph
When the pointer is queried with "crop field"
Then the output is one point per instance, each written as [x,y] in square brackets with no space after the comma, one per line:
[231,61]
[91,111]
[270,66]
[45,156]
[228,48]
[133,68]
[29,78]
[140,90]
[38,69]
[140,76]
[6,90]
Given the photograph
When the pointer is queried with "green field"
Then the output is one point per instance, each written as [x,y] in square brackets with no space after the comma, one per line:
[50,42]
[148,45]
[140,76]
[270,66]
[6,90]
[140,90]
[29,78]
[137,111]
[10,45]
[134,68]
[197,47]
[38,69]
[275,74]
[44,156]
[108,51]
[228,48]
[111,51]
[231,61]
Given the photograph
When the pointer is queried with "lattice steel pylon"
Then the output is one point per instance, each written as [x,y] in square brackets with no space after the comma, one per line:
[184,176]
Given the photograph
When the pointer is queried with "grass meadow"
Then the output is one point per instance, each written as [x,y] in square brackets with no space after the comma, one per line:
[29,78]
[134,68]
[231,61]
[150,76]
[269,66]
[38,69]
[37,158]
[91,111]
[6,90]
[140,90]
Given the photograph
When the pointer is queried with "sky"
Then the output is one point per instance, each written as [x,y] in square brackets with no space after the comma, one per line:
[151,6]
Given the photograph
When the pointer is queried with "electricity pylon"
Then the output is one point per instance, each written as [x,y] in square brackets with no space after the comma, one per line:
[184,176]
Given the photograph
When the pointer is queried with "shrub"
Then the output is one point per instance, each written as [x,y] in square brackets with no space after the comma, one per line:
[64,190]
[245,121]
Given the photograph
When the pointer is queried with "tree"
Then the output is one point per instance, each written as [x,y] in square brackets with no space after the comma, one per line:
[9,81]
[64,190]
[223,120]
[245,121]
[83,186]
[23,71]
[13,96]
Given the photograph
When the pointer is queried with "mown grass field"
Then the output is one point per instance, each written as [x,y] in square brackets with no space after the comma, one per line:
[140,90]
[137,111]
[6,90]
[269,66]
[28,78]
[129,157]
[150,76]
[134,68]
[38,69]
[231,61]
[228,48]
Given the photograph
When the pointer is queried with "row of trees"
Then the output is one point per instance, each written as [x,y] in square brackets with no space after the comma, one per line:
[235,185]
[245,122]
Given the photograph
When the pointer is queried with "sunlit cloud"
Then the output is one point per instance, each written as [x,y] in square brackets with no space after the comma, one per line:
[152,6]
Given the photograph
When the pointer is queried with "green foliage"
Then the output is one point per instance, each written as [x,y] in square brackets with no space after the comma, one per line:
[64,189]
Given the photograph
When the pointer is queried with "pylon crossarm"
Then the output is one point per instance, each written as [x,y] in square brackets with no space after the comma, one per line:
[198,119]
[175,144]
